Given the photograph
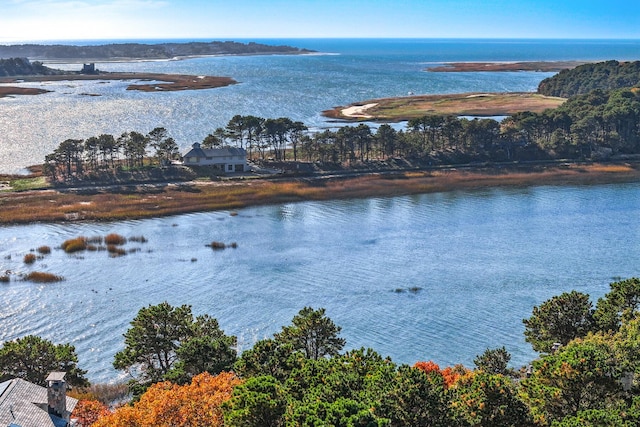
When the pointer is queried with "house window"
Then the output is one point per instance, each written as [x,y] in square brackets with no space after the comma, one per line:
[230,168]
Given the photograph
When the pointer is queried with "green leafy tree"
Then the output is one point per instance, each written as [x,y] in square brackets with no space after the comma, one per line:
[620,304]
[33,358]
[207,349]
[259,401]
[313,333]
[597,418]
[494,361]
[165,342]
[582,376]
[415,399]
[559,320]
[268,357]
[344,387]
[484,399]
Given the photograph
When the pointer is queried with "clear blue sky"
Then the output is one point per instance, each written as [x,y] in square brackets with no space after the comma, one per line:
[216,19]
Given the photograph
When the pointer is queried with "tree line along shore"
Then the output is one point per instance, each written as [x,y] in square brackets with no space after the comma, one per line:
[185,370]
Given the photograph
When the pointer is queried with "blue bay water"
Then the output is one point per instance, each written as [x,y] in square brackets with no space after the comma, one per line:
[482,259]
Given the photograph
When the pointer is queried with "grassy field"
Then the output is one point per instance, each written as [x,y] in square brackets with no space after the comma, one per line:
[465,104]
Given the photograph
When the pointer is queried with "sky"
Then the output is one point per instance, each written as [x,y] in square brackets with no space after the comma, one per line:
[48,20]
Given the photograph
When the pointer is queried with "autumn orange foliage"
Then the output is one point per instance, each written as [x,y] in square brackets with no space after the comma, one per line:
[166,404]
[87,412]
[428,366]
[449,374]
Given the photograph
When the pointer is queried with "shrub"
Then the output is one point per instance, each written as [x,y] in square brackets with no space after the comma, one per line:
[29,258]
[138,239]
[115,251]
[74,245]
[217,245]
[96,240]
[4,279]
[114,239]
[105,393]
[44,250]
[40,277]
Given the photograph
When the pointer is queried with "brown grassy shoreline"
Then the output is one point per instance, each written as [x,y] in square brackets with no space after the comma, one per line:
[170,199]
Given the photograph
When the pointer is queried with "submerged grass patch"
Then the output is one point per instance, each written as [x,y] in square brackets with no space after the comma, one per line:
[74,245]
[42,277]
[115,239]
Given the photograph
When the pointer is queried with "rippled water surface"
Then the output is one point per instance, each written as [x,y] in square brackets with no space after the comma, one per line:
[481,259]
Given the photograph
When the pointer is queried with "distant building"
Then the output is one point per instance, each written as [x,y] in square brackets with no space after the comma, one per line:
[23,404]
[228,159]
[88,68]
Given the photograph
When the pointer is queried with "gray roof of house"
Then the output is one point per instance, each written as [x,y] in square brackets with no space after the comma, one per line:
[216,152]
[25,404]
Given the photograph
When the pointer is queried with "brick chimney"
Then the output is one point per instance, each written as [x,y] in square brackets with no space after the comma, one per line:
[57,394]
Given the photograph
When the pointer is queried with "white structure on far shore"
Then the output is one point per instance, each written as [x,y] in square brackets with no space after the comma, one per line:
[228,159]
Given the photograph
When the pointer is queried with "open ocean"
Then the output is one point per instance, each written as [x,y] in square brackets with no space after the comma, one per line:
[481,259]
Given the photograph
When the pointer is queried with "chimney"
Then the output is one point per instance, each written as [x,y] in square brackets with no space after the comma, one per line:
[57,394]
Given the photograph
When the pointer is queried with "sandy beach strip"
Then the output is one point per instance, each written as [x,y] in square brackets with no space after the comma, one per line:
[358,111]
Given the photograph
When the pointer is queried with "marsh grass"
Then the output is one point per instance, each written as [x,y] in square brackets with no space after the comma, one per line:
[5,278]
[74,245]
[41,277]
[115,251]
[106,393]
[114,239]
[44,250]
[29,259]
[138,239]
[30,207]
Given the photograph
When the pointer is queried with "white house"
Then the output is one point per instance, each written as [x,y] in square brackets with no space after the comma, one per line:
[228,159]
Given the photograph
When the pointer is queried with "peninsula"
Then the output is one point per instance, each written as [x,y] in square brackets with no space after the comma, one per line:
[405,108]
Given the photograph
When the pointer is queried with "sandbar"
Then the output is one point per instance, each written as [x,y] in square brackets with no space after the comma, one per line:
[541,66]
[358,111]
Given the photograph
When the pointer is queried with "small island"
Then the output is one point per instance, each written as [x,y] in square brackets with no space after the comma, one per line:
[17,70]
